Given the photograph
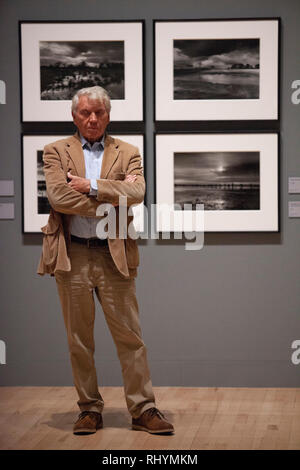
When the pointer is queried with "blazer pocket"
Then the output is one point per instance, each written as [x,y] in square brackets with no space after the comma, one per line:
[51,233]
[132,253]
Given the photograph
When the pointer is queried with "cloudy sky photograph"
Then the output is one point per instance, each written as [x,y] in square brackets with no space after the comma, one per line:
[76,52]
[216,53]
[67,66]
[216,167]
[216,69]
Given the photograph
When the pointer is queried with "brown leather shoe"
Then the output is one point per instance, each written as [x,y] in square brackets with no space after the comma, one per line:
[153,421]
[88,422]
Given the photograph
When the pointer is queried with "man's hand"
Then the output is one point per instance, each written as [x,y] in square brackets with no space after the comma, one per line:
[130,178]
[82,185]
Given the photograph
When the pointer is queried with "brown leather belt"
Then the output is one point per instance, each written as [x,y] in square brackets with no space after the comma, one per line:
[89,242]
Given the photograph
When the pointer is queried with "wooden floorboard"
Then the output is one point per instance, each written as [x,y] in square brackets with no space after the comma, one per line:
[204,418]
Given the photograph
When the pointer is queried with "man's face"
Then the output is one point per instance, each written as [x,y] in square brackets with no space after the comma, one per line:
[91,118]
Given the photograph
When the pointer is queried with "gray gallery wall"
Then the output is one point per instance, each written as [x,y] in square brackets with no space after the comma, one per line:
[222,316]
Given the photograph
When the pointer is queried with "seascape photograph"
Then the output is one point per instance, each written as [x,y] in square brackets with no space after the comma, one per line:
[43,205]
[219,180]
[67,66]
[216,69]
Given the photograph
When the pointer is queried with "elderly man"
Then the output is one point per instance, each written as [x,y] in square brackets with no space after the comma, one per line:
[82,172]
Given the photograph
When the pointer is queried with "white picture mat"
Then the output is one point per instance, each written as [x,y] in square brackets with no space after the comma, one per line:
[263,108]
[265,219]
[35,109]
[31,144]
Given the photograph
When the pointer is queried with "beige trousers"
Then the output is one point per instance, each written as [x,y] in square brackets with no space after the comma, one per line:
[94,269]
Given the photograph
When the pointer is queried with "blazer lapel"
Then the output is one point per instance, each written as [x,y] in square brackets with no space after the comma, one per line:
[75,152]
[110,155]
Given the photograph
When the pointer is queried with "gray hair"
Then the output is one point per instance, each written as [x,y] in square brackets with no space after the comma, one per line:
[94,93]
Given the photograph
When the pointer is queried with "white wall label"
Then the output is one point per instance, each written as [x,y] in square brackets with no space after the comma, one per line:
[6,188]
[294,208]
[294,184]
[2,92]
[7,210]
[2,352]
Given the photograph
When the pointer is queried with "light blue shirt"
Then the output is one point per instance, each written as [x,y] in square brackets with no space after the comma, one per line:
[81,226]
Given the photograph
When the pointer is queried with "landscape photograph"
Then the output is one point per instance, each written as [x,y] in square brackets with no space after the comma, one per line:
[219,180]
[43,206]
[216,69]
[67,66]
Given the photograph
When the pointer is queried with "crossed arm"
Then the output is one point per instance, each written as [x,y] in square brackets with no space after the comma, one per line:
[72,197]
[83,185]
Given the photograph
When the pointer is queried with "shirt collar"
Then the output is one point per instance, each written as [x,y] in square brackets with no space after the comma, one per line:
[96,144]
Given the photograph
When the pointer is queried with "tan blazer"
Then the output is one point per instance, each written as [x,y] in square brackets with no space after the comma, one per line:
[119,159]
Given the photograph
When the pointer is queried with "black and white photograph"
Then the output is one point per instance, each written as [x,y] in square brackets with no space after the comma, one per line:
[219,180]
[60,58]
[43,206]
[68,66]
[231,178]
[210,69]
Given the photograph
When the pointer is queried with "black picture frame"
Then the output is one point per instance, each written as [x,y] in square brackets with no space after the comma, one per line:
[169,112]
[130,110]
[235,223]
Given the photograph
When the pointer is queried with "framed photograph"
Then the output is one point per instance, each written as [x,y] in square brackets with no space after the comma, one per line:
[234,177]
[36,206]
[58,59]
[216,69]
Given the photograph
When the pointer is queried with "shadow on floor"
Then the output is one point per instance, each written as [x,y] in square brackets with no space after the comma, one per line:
[112,418]
[115,418]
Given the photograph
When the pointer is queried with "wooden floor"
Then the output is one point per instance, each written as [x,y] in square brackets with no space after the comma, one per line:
[204,418]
